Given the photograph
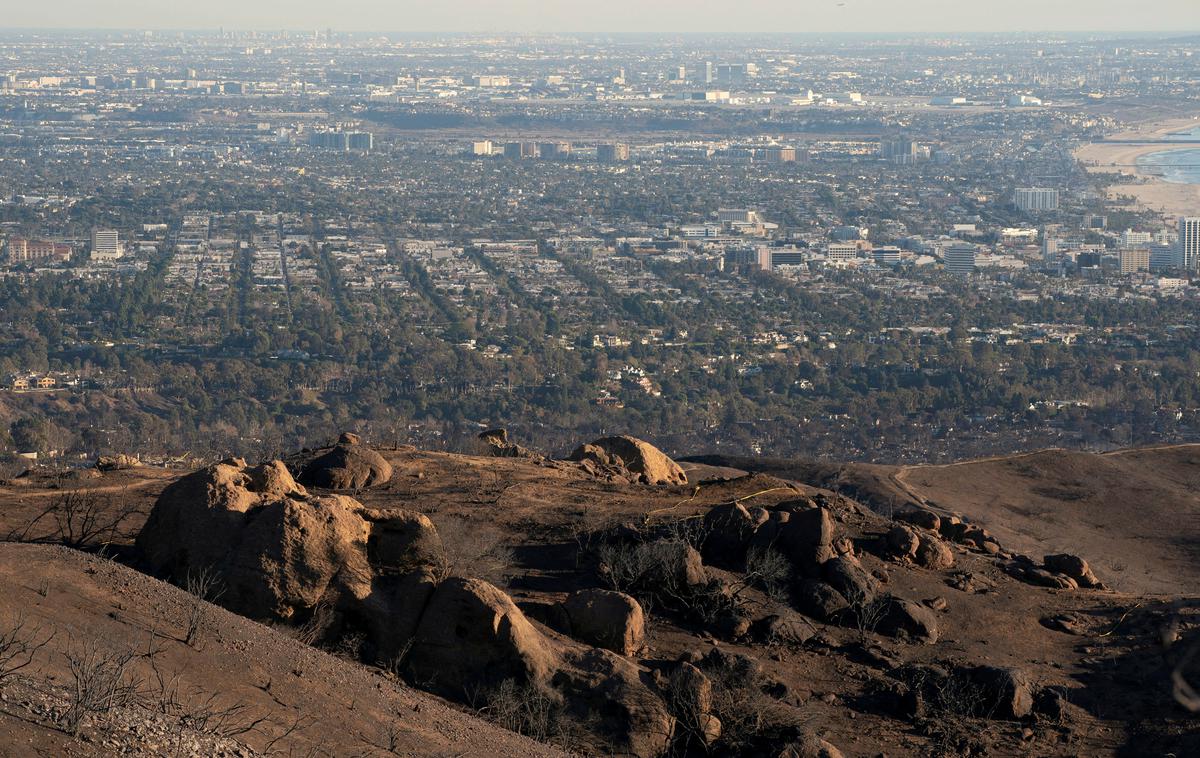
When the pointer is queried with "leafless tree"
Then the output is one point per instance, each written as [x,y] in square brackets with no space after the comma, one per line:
[83,519]
[20,642]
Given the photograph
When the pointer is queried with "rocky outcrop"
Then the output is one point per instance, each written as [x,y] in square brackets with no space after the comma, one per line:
[281,553]
[901,617]
[628,459]
[497,445]
[1074,567]
[276,549]
[1062,572]
[348,465]
[810,746]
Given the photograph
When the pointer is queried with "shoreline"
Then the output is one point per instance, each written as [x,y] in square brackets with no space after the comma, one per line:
[1149,190]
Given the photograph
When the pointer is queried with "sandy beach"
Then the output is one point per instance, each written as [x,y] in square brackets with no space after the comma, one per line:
[1172,200]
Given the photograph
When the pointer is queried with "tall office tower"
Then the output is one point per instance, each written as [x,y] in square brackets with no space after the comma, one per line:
[1049,246]
[1189,242]
[106,243]
[899,150]
[1036,199]
[960,258]
[1134,259]
[360,141]
[706,72]
[612,153]
[554,149]
[1164,256]
[521,150]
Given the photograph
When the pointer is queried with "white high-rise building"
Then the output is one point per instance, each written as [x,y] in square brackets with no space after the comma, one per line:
[960,258]
[106,244]
[1036,199]
[1189,242]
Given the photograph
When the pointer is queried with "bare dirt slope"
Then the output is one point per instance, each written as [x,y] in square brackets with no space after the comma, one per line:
[294,699]
[1134,513]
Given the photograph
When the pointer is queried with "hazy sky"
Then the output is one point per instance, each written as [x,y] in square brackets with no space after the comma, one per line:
[614,15]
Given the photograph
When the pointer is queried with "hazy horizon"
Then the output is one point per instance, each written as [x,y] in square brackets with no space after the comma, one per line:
[622,16]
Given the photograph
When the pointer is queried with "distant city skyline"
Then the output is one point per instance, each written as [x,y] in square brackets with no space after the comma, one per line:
[777,16]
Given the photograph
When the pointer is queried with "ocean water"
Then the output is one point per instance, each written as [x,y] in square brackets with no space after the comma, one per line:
[1179,166]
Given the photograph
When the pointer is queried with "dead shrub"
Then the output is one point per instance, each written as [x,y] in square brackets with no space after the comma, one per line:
[523,708]
[20,642]
[101,680]
[204,586]
[473,549]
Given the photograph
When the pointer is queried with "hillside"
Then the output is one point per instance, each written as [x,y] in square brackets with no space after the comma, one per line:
[1134,513]
[962,652]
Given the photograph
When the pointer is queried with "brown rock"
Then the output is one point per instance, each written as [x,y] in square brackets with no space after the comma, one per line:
[810,746]
[275,548]
[922,518]
[904,617]
[1074,567]
[472,634]
[902,542]
[345,467]
[401,541]
[806,538]
[611,620]
[933,554]
[636,459]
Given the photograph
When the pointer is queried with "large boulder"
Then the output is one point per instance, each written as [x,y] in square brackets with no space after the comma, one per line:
[629,458]
[846,575]
[810,746]
[473,635]
[820,600]
[401,541]
[495,443]
[728,530]
[1006,693]
[348,465]
[905,618]
[933,553]
[615,695]
[117,462]
[607,619]
[806,538]
[274,548]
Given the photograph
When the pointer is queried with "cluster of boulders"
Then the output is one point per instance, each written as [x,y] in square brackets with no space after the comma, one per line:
[279,551]
[999,692]
[628,459]
[828,580]
[952,529]
[1061,571]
